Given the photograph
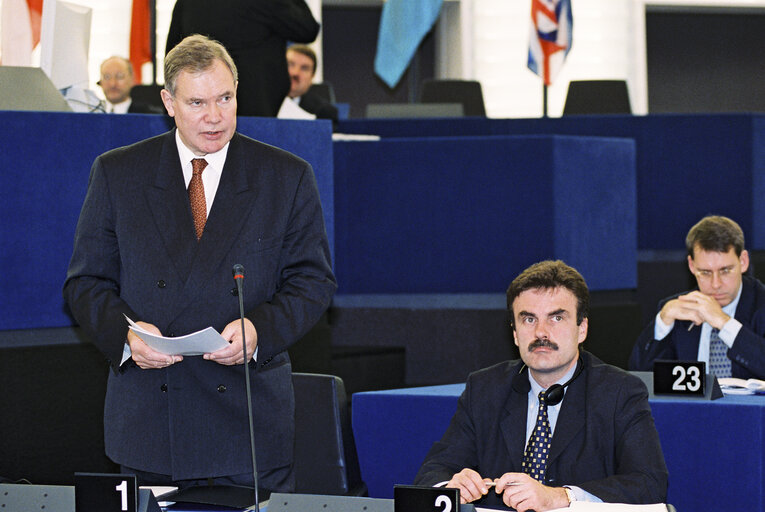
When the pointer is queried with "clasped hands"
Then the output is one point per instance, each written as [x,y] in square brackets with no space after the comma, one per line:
[518,490]
[695,307]
[146,357]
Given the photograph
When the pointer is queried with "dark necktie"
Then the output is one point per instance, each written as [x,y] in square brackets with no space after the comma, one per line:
[538,450]
[197,196]
[719,364]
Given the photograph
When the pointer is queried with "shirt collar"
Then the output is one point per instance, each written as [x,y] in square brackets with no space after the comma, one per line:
[215,160]
[119,108]
[536,388]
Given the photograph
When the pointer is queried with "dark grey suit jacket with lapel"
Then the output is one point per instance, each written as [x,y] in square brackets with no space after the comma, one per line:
[747,354]
[604,441]
[135,253]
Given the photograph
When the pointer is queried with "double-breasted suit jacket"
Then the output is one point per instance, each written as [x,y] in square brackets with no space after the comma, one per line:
[136,254]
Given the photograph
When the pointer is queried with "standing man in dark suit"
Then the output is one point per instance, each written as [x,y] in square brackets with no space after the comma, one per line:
[117,82]
[148,249]
[722,322]
[539,448]
[255,32]
[301,66]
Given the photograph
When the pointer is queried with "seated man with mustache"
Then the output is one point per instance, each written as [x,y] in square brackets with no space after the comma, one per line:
[557,426]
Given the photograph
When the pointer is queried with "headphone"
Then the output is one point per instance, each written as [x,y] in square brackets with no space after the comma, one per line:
[555,393]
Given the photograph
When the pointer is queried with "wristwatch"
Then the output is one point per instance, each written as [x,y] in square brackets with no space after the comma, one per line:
[569,495]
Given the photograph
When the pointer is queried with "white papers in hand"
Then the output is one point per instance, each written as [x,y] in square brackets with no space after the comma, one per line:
[194,344]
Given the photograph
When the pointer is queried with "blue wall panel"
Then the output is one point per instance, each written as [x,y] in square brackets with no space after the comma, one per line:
[465,215]
[688,166]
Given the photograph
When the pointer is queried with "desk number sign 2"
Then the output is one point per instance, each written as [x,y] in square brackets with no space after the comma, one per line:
[415,498]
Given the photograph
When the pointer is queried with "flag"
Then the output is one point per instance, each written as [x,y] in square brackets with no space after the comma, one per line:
[21,31]
[550,37]
[140,37]
[403,25]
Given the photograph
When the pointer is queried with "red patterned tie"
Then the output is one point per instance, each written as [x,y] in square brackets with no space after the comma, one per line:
[197,196]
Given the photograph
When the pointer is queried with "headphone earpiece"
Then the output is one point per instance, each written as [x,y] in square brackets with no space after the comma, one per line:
[556,392]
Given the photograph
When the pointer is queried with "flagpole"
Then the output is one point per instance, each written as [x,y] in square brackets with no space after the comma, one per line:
[414,68]
[153,39]
[544,99]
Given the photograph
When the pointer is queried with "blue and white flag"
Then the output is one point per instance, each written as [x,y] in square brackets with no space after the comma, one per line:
[550,37]
[403,25]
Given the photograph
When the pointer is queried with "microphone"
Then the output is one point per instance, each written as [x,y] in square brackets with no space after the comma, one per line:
[238,273]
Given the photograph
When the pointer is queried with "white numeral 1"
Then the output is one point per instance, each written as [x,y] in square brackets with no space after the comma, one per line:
[122,488]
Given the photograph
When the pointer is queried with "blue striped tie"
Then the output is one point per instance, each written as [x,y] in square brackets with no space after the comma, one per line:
[719,364]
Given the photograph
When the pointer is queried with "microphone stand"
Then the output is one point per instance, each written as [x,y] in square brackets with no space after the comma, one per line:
[233,496]
[239,278]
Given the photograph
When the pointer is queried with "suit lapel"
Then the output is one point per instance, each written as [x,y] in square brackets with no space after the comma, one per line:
[745,308]
[513,424]
[170,208]
[570,417]
[233,201]
[194,260]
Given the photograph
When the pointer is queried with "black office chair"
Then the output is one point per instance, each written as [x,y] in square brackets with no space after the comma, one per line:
[597,97]
[325,90]
[467,92]
[325,450]
[148,94]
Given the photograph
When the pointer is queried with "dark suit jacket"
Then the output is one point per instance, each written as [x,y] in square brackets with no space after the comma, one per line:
[605,440]
[747,354]
[315,104]
[255,32]
[135,253]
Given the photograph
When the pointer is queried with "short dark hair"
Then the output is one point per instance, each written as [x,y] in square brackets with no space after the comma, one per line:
[304,50]
[549,275]
[195,54]
[715,233]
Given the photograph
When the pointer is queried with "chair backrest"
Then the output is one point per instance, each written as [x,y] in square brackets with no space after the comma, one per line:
[467,92]
[414,110]
[148,94]
[597,97]
[325,451]
[325,90]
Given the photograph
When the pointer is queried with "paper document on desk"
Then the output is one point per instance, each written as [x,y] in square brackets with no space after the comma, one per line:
[734,386]
[194,344]
[583,506]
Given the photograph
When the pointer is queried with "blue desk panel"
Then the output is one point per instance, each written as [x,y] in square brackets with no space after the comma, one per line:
[715,451]
[46,159]
[467,214]
[688,165]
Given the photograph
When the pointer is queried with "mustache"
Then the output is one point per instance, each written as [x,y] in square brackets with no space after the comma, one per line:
[542,343]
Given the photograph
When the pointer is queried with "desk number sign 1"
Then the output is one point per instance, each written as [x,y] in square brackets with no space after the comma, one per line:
[679,377]
[415,498]
[97,492]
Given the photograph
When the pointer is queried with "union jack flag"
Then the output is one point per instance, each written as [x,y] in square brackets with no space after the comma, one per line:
[550,37]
